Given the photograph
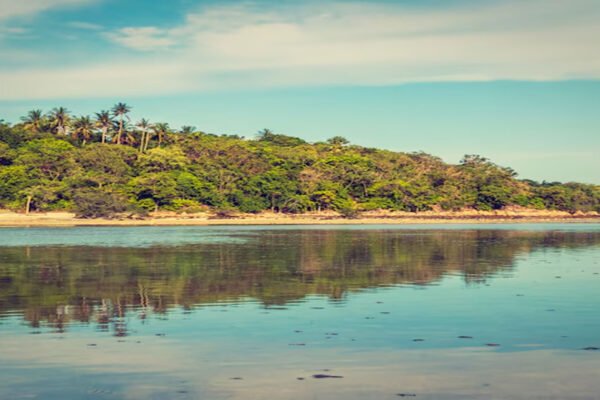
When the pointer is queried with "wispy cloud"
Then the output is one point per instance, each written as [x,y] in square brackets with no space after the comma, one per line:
[241,46]
[84,25]
[19,8]
[144,38]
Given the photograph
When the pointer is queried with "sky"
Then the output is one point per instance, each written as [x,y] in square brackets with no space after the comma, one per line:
[517,81]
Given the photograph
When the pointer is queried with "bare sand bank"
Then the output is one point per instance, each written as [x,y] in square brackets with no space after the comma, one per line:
[8,218]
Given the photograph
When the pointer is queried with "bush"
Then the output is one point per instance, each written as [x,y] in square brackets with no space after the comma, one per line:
[96,203]
[349,212]
[148,205]
[185,205]
[223,213]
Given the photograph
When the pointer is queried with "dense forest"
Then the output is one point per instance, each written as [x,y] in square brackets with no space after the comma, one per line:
[107,165]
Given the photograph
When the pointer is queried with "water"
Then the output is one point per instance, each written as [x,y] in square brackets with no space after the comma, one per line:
[430,312]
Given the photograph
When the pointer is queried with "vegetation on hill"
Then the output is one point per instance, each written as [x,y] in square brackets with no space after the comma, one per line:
[105,165]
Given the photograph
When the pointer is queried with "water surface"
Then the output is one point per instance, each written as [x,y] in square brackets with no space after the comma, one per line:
[438,312]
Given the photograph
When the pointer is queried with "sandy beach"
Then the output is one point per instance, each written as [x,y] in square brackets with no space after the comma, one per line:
[9,218]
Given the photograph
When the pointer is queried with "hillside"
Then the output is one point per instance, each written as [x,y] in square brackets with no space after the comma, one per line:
[105,166]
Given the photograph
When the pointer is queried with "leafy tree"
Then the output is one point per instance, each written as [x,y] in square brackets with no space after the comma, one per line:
[266,135]
[338,141]
[49,158]
[160,187]
[102,164]
[13,179]
[159,159]
[97,203]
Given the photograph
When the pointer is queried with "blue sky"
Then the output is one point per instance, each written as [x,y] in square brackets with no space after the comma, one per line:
[516,81]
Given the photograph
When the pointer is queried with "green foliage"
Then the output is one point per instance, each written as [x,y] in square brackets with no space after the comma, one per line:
[161,159]
[96,203]
[47,158]
[160,187]
[13,179]
[59,162]
[279,140]
[185,205]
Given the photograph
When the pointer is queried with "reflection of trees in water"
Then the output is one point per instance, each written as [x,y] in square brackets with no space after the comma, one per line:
[100,284]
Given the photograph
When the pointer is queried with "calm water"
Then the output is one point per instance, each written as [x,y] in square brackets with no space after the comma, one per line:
[455,312]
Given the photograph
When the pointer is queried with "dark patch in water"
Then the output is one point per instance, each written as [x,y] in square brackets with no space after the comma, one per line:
[492,344]
[324,376]
[418,340]
[465,337]
[591,348]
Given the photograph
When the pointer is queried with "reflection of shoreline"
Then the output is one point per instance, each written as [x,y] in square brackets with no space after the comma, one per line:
[172,219]
[58,284]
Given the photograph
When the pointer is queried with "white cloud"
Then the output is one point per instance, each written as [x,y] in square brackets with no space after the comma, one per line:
[19,8]
[143,38]
[336,44]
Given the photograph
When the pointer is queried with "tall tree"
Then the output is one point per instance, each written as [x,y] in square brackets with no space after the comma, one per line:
[59,120]
[161,130]
[83,129]
[144,128]
[120,110]
[34,121]
[104,122]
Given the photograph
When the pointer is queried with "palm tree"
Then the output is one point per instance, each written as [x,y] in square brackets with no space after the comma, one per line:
[187,129]
[128,135]
[144,128]
[83,129]
[104,122]
[161,130]
[120,110]
[59,120]
[34,121]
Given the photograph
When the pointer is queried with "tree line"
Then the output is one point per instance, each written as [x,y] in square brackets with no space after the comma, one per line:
[107,165]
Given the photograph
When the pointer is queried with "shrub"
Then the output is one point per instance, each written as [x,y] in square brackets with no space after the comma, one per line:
[223,213]
[185,205]
[95,203]
[147,205]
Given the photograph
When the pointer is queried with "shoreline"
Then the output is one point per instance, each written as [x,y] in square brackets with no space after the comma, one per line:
[64,219]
